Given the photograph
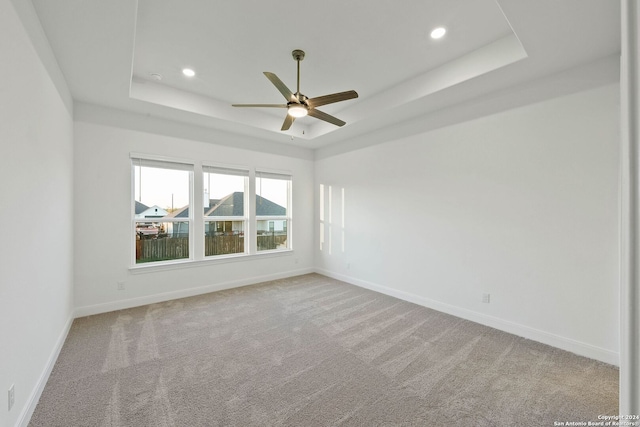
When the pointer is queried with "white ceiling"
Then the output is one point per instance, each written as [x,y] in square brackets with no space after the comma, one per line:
[382,49]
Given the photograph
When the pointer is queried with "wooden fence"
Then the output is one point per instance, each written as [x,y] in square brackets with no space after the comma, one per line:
[149,250]
[168,248]
[221,245]
[271,241]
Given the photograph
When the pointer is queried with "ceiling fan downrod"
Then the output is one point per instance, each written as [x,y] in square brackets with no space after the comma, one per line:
[298,55]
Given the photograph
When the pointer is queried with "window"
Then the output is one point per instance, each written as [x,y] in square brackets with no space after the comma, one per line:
[231,217]
[162,206]
[273,211]
[225,212]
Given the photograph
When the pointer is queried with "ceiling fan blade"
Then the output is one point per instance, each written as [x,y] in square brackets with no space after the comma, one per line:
[330,99]
[326,117]
[288,121]
[284,90]
[261,105]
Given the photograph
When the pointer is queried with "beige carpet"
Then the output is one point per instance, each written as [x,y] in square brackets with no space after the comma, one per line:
[312,351]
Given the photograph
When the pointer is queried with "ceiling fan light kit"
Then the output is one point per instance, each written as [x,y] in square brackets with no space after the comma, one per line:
[298,105]
[297,110]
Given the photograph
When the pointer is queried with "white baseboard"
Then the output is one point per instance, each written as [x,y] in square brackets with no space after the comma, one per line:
[183,293]
[568,344]
[34,397]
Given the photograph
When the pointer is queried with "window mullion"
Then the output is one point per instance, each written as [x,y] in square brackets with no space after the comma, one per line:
[196,223]
[252,234]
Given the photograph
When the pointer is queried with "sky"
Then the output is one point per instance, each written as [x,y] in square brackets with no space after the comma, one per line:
[155,186]
[162,187]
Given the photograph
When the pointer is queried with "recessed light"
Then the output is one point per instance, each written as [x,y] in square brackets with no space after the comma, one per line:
[188,72]
[438,33]
[155,76]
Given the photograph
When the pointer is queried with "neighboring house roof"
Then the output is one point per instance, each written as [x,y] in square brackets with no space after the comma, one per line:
[212,203]
[140,207]
[179,213]
[184,211]
[233,205]
[265,207]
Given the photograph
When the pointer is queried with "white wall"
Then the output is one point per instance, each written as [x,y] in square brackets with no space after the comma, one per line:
[36,251]
[522,205]
[103,178]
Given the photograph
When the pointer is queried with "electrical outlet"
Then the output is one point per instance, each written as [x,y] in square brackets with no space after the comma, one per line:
[486,298]
[12,396]
[121,286]
[348,266]
[296,261]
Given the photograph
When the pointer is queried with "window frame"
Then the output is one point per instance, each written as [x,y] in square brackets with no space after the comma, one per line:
[167,163]
[288,217]
[231,171]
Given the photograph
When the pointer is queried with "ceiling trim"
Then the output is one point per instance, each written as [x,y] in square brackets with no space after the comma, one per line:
[91,113]
[602,72]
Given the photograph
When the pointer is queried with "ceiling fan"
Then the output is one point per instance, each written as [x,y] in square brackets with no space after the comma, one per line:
[298,105]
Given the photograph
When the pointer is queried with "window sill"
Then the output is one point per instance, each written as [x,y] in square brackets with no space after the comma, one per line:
[190,263]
